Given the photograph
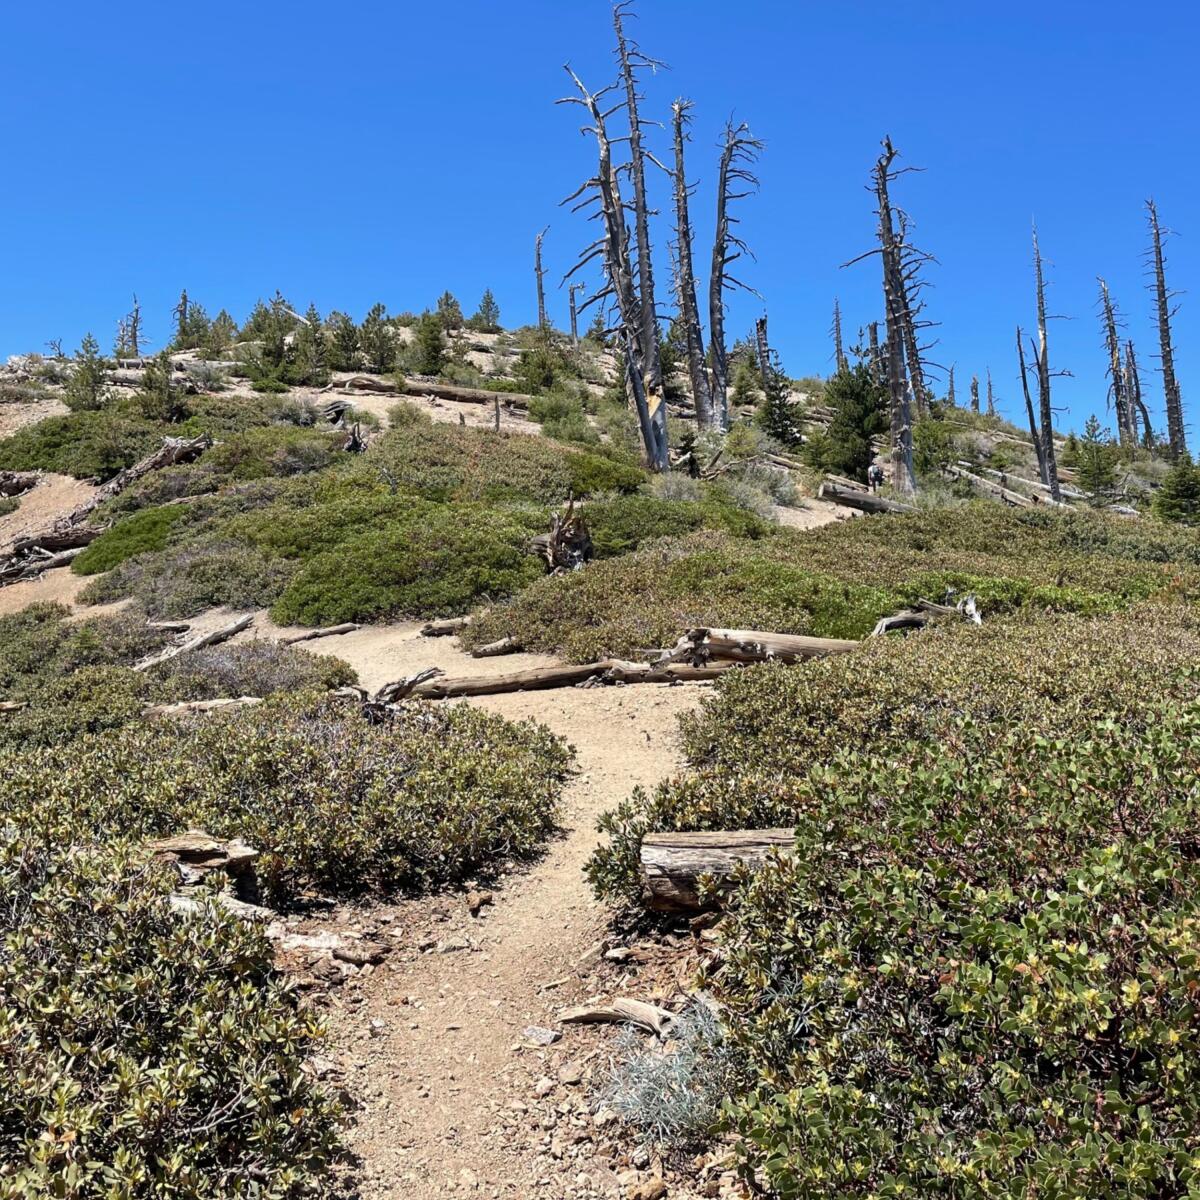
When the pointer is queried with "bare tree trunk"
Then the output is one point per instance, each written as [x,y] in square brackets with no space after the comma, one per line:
[974,393]
[950,395]
[540,275]
[1116,374]
[898,384]
[739,150]
[1042,361]
[133,328]
[1133,390]
[685,276]
[1033,429]
[613,245]
[763,350]
[1176,438]
[991,395]
[876,353]
[630,57]
[839,354]
[574,313]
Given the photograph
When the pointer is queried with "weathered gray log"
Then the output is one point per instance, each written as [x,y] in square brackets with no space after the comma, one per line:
[672,865]
[11,706]
[445,628]
[15,483]
[865,502]
[702,645]
[212,638]
[313,634]
[996,491]
[506,645]
[621,1011]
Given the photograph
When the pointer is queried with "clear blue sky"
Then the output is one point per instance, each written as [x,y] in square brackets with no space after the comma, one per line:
[364,151]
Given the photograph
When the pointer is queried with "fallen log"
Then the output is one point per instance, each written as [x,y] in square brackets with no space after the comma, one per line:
[996,491]
[445,628]
[180,380]
[671,865]
[843,481]
[632,1012]
[1070,493]
[609,670]
[172,453]
[32,565]
[313,634]
[212,638]
[699,646]
[183,707]
[506,645]
[866,502]
[16,483]
[463,395]
[11,706]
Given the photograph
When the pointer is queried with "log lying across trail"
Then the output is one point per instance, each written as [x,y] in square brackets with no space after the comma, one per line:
[29,556]
[866,502]
[15,483]
[445,628]
[429,387]
[671,865]
[313,634]
[700,646]
[996,491]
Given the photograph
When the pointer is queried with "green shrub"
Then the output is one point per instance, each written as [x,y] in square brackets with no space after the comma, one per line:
[277,450]
[594,473]
[438,561]
[147,1054]
[259,668]
[87,700]
[86,387]
[1178,500]
[149,529]
[621,524]
[332,801]
[184,580]
[86,444]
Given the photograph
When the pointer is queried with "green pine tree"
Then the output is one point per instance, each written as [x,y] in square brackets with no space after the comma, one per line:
[777,416]
[449,312]
[1096,461]
[86,387]
[429,345]
[859,403]
[162,398]
[487,318]
[310,350]
[343,342]
[1178,500]
[377,340]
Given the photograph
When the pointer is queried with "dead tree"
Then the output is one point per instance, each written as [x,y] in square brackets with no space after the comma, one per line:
[685,276]
[739,151]
[575,287]
[1126,430]
[950,395]
[1133,392]
[897,260]
[991,395]
[1041,353]
[180,313]
[1176,439]
[974,393]
[539,274]
[630,60]
[1035,437]
[839,354]
[877,366]
[604,191]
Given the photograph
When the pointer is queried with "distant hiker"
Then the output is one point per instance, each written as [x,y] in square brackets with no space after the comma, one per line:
[874,477]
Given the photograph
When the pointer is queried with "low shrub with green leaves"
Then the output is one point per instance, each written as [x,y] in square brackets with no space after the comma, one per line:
[144,531]
[621,524]
[334,803]
[259,668]
[837,581]
[89,444]
[146,1053]
[976,976]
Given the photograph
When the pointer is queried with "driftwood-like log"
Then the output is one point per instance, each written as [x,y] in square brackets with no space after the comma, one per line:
[180,380]
[699,646]
[15,483]
[671,865]
[621,1011]
[11,706]
[506,645]
[568,545]
[430,387]
[996,491]
[865,502]
[608,670]
[445,628]
[184,707]
[212,638]
[313,634]
[33,563]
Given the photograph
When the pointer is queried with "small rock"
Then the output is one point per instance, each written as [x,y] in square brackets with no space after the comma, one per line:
[605,1116]
[468,1179]
[377,1027]
[618,954]
[651,1189]
[541,1036]
[476,901]
[427,943]
[570,1073]
[544,1086]
[452,945]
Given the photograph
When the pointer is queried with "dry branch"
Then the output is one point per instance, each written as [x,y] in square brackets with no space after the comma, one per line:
[633,1012]
[313,634]
[212,638]
[863,501]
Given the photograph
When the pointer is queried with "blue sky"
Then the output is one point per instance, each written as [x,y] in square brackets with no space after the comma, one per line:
[389,151]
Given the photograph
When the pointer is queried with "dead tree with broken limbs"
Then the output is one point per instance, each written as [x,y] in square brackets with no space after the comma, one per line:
[630,60]
[1133,390]
[991,395]
[685,275]
[839,354]
[1126,421]
[1041,361]
[739,151]
[901,264]
[539,274]
[1176,438]
[974,393]
[1034,435]
[603,193]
